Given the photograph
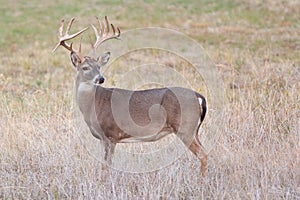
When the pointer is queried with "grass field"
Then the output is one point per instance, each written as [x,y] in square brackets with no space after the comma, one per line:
[256,48]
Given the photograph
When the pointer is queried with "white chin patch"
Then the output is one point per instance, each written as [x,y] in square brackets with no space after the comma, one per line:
[95,80]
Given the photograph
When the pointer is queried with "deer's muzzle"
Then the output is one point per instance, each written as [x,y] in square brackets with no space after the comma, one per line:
[99,80]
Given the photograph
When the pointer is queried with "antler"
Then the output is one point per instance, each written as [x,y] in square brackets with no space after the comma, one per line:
[63,38]
[103,33]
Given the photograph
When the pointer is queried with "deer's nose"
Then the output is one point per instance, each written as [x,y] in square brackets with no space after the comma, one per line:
[101,80]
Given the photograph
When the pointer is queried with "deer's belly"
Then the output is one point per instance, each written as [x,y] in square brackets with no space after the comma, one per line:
[147,138]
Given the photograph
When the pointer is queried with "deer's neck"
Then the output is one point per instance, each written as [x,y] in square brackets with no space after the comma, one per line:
[85,97]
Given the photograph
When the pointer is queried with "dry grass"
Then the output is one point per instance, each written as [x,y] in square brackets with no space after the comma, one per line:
[256,47]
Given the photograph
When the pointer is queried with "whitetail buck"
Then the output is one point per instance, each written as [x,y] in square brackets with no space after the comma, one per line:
[115,115]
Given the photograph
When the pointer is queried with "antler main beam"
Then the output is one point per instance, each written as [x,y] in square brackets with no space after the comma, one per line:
[63,38]
[103,34]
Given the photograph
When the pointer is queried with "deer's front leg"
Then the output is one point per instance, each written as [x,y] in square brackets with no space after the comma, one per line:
[109,149]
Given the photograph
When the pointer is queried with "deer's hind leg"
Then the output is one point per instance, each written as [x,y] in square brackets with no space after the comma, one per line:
[198,150]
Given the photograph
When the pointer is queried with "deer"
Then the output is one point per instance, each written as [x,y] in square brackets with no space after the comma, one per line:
[116,115]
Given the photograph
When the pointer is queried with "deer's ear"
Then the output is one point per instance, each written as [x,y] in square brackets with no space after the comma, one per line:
[75,60]
[104,58]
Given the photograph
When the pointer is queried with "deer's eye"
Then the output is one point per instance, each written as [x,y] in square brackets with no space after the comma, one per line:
[85,68]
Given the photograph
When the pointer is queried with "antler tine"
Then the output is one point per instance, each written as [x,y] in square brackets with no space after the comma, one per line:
[114,30]
[106,25]
[98,35]
[60,30]
[69,25]
[79,50]
[100,27]
[60,34]
[103,34]
[63,38]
